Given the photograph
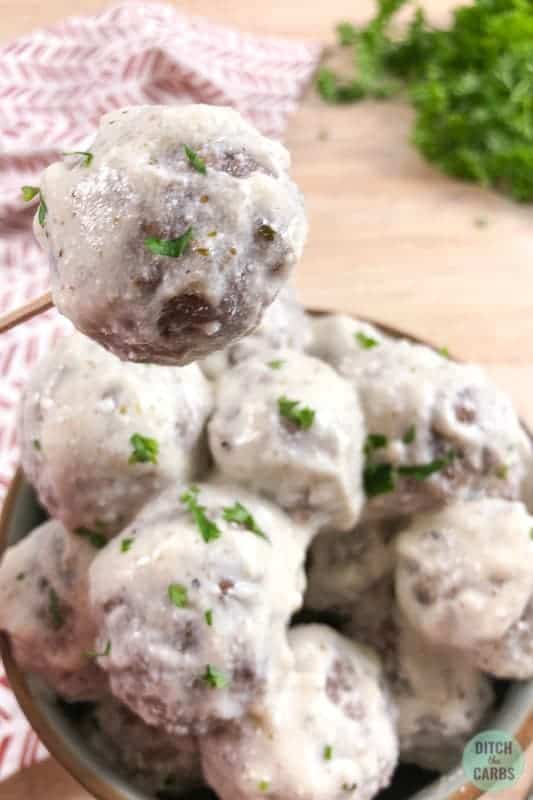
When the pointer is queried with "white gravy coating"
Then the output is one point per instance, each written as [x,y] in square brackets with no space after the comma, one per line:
[80,410]
[195,597]
[150,759]
[465,573]
[327,732]
[284,325]
[510,656]
[164,254]
[336,336]
[448,430]
[44,611]
[342,565]
[287,425]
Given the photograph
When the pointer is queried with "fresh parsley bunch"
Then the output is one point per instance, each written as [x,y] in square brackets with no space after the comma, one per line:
[471,86]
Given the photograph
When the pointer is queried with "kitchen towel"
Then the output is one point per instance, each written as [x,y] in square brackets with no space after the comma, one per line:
[55,84]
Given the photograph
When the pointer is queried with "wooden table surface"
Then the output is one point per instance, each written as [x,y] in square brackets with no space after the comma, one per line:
[390,238]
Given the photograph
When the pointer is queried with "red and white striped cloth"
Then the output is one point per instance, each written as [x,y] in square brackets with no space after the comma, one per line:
[54,85]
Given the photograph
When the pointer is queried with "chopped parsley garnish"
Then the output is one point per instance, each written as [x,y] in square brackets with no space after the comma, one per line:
[95,654]
[328,752]
[502,472]
[263,786]
[21,576]
[29,192]
[87,157]
[202,251]
[240,514]
[212,234]
[422,471]
[37,444]
[208,617]
[97,538]
[214,678]
[366,342]
[195,160]
[301,417]
[373,442]
[43,211]
[349,787]
[444,352]
[145,450]
[173,248]
[378,479]
[209,530]
[178,595]
[55,610]
[277,363]
[266,232]
[409,435]
[125,545]
[530,536]
[469,83]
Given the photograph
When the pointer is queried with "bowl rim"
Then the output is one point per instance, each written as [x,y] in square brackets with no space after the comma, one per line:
[90,779]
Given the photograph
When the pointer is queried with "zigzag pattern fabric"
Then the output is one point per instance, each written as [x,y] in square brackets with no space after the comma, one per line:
[54,86]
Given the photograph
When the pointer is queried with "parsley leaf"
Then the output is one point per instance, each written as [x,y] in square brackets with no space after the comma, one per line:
[502,472]
[42,212]
[469,85]
[145,450]
[409,435]
[96,538]
[366,342]
[240,514]
[266,232]
[29,192]
[422,471]
[195,160]
[178,595]
[214,678]
[87,157]
[444,352]
[263,786]
[301,417]
[277,363]
[104,654]
[208,617]
[37,445]
[209,530]
[378,479]
[328,752]
[373,442]
[54,609]
[349,787]
[173,248]
[125,545]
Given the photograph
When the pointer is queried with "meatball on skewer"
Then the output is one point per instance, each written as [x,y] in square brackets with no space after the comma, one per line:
[100,437]
[173,234]
[325,733]
[194,598]
[44,610]
[289,426]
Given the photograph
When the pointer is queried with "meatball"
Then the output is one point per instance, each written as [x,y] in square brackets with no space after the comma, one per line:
[437,429]
[441,701]
[284,324]
[510,656]
[289,426]
[440,698]
[336,336]
[344,565]
[326,733]
[45,613]
[148,758]
[100,437]
[194,598]
[465,573]
[172,235]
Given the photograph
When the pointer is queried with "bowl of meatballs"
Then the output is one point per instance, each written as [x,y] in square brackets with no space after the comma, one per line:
[253,551]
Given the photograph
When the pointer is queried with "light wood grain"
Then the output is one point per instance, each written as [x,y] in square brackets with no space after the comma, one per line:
[390,238]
